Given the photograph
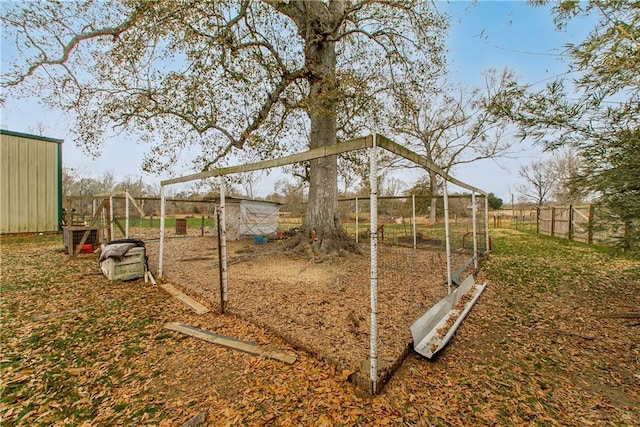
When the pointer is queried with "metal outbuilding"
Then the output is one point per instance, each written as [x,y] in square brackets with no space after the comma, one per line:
[247,218]
[30,183]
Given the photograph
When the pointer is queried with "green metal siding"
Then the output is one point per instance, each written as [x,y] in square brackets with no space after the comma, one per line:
[30,188]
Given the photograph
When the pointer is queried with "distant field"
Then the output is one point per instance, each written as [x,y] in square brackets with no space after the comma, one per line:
[192,222]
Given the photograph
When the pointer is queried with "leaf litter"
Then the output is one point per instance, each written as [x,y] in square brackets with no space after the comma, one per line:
[522,356]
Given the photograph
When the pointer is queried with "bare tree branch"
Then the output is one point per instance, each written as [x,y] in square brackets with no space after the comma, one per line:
[67,49]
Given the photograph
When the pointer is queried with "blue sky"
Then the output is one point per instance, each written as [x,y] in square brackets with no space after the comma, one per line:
[490,34]
[511,34]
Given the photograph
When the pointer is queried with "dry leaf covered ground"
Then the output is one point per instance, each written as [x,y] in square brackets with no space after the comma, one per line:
[552,341]
[322,308]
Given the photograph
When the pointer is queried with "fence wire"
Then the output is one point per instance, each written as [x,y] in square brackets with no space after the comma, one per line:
[330,303]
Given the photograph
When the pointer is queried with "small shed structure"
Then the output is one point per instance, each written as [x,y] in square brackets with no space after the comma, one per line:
[248,217]
[30,183]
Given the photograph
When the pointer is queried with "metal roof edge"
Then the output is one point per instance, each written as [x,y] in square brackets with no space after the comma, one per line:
[29,136]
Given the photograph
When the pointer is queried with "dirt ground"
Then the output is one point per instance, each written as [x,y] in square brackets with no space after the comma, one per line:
[322,308]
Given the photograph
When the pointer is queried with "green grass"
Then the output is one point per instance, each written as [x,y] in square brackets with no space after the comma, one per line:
[93,339]
[192,222]
[545,263]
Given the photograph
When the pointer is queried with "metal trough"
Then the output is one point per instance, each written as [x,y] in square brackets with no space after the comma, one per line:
[435,328]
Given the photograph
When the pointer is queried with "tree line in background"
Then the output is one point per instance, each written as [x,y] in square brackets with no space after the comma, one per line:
[75,184]
[258,79]
[291,194]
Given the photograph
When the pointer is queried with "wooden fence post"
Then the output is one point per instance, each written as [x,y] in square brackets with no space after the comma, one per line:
[553,220]
[570,231]
[590,225]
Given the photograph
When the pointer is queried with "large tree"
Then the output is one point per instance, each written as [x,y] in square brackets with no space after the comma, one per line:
[569,166]
[227,76]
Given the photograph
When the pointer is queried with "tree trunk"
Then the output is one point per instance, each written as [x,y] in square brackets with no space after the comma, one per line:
[322,209]
[322,230]
[317,24]
[322,222]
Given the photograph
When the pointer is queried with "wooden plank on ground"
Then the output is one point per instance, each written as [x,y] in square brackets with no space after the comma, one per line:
[186,299]
[236,344]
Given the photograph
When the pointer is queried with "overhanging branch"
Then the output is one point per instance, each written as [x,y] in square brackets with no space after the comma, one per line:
[68,48]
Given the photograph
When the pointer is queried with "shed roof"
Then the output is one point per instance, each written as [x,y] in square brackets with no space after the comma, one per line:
[29,136]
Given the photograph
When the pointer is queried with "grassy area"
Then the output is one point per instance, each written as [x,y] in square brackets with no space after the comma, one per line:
[552,341]
[170,223]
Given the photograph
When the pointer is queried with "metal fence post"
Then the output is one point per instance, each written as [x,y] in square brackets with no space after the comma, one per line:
[223,246]
[111,219]
[590,226]
[357,215]
[447,235]
[486,223]
[163,209]
[475,237]
[126,213]
[413,219]
[373,337]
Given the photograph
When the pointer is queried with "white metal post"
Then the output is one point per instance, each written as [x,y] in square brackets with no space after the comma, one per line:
[357,215]
[373,338]
[475,237]
[126,208]
[486,222]
[111,217]
[223,243]
[163,207]
[447,235]
[413,220]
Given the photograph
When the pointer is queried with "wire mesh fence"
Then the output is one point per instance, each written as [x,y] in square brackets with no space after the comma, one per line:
[585,223]
[353,311]
[115,217]
[407,221]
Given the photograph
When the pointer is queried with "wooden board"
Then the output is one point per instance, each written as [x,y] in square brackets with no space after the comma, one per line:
[57,314]
[316,153]
[402,151]
[190,302]
[329,150]
[247,347]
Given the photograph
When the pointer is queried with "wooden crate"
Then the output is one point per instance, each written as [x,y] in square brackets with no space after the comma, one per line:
[130,266]
[73,234]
